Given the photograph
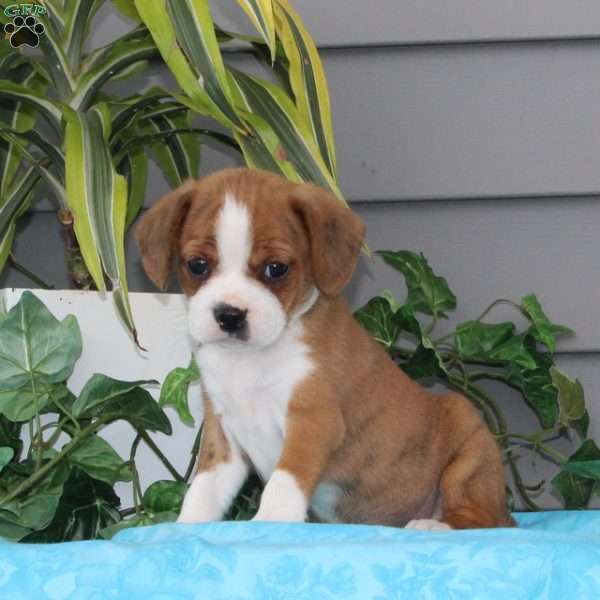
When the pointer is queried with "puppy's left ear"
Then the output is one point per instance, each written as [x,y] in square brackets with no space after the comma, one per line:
[158,230]
[335,232]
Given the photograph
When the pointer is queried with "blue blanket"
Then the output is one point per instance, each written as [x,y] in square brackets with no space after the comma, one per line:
[551,556]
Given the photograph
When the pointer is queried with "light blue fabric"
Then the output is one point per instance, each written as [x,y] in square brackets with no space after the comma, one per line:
[551,556]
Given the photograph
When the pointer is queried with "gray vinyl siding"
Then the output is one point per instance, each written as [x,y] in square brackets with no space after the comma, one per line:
[467,130]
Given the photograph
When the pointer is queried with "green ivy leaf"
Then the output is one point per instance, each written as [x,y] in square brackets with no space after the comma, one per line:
[101,389]
[385,323]
[425,363]
[10,435]
[174,390]
[571,399]
[111,399]
[582,425]
[542,329]
[536,384]
[86,507]
[164,496]
[585,462]
[23,515]
[427,292]
[575,491]
[35,348]
[476,341]
[100,460]
[514,350]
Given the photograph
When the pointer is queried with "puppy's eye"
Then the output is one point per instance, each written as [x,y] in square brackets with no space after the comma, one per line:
[198,267]
[275,270]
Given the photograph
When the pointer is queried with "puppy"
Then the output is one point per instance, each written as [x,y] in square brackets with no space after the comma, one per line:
[293,386]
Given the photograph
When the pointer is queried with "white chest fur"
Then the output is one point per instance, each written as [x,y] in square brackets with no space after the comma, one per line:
[251,390]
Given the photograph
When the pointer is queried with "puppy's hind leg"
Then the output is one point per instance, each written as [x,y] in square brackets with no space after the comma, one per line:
[473,487]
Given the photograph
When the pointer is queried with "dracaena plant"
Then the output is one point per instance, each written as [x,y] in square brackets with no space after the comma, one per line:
[59,126]
[483,350]
[57,470]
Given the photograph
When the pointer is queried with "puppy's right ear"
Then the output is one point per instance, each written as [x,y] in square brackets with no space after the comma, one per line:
[158,230]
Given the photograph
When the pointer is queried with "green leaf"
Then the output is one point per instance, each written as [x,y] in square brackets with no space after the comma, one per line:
[427,293]
[574,490]
[100,390]
[164,496]
[475,340]
[581,425]
[571,399]
[283,132]
[514,350]
[425,363]
[111,400]
[585,462]
[174,390]
[261,15]
[100,460]
[6,455]
[86,507]
[97,196]
[308,81]
[34,511]
[36,351]
[543,330]
[10,436]
[384,323]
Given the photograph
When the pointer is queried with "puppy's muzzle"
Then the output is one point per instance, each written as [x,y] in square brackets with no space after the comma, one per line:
[229,318]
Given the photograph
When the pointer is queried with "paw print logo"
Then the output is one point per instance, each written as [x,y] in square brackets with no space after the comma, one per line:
[24,31]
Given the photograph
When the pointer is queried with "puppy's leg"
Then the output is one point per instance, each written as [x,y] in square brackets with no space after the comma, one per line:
[472,485]
[221,473]
[310,438]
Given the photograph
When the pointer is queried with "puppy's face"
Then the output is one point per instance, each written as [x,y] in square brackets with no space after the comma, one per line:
[253,252]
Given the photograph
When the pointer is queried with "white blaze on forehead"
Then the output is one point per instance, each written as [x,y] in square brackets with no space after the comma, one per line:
[234,236]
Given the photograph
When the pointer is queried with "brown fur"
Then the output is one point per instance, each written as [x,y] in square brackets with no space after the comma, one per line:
[394,449]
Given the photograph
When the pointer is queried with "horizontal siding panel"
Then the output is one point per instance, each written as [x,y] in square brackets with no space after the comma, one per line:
[392,22]
[485,250]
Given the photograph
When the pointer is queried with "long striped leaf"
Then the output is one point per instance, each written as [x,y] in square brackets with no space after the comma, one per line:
[307,78]
[57,64]
[7,234]
[11,204]
[41,166]
[79,15]
[20,93]
[177,155]
[122,55]
[261,15]
[195,32]
[23,118]
[156,18]
[97,197]
[295,144]
[136,172]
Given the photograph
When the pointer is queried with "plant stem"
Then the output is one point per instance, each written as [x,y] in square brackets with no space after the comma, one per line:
[135,477]
[494,304]
[65,451]
[539,445]
[194,452]
[31,276]
[163,459]
[521,488]
[78,271]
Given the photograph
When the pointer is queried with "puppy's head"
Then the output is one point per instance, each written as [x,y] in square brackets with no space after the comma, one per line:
[253,252]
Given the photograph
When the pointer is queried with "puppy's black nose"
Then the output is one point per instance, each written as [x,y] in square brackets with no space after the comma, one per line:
[229,318]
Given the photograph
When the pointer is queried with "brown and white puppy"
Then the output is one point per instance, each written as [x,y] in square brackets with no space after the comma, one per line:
[293,386]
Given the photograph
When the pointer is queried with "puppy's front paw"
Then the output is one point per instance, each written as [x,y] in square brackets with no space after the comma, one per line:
[282,500]
[427,525]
